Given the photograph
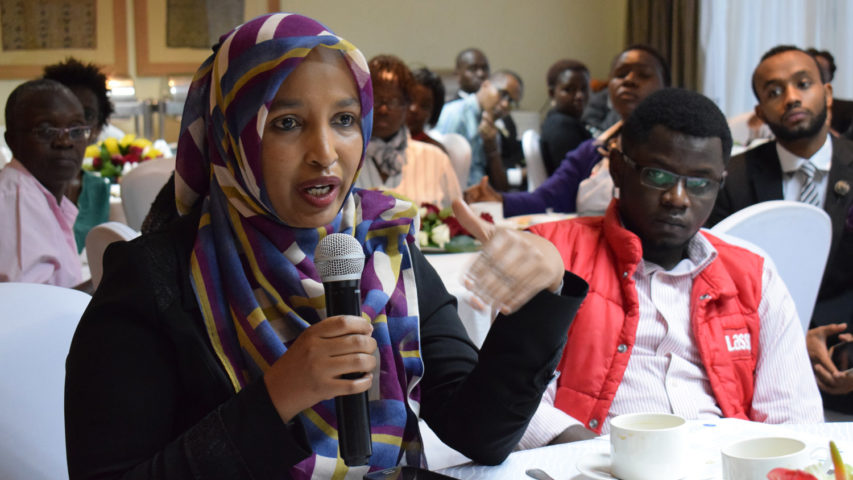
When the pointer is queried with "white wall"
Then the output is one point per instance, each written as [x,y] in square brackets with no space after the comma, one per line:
[523,36]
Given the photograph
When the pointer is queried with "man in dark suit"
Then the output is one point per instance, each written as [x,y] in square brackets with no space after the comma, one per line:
[793,101]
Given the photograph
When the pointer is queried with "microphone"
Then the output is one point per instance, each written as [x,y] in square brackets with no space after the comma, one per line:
[339,260]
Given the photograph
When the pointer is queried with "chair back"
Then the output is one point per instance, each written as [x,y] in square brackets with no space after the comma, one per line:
[536,172]
[140,186]
[459,151]
[796,236]
[97,240]
[37,325]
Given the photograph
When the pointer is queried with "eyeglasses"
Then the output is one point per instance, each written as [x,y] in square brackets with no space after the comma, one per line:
[50,134]
[388,102]
[661,179]
[505,95]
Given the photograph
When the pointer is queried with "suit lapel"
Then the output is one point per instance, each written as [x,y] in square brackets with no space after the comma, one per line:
[765,173]
[837,204]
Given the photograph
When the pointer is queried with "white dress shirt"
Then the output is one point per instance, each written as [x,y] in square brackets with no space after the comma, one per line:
[792,183]
[665,372]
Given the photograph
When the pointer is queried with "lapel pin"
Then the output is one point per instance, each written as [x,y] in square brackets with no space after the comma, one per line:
[842,187]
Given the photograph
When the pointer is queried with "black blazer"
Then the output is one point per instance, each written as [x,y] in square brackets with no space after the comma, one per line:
[756,176]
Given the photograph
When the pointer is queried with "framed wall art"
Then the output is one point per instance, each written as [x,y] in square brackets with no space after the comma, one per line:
[173,37]
[35,33]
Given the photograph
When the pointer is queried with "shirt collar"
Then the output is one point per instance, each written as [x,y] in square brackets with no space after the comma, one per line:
[700,253]
[790,163]
[66,206]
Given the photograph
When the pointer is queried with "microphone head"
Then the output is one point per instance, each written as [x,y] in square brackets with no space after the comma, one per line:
[339,257]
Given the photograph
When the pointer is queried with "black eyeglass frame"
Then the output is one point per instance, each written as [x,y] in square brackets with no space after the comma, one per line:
[689,187]
[51,134]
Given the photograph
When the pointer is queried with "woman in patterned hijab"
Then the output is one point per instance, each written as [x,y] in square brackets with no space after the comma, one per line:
[272,138]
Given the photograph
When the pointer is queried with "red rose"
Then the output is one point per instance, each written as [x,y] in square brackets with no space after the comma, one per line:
[787,474]
[97,163]
[117,160]
[455,227]
[430,208]
[132,157]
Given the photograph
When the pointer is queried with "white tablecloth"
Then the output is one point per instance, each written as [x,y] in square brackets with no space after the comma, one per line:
[450,267]
[707,438]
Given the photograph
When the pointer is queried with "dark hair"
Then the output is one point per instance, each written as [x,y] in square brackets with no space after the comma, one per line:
[561,66]
[432,81]
[665,74]
[681,111]
[469,50]
[43,85]
[401,73]
[829,58]
[507,73]
[776,51]
[74,73]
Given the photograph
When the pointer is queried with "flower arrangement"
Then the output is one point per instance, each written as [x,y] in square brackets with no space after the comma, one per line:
[112,158]
[441,229]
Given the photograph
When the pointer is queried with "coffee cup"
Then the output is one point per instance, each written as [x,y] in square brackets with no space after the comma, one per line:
[648,446]
[753,459]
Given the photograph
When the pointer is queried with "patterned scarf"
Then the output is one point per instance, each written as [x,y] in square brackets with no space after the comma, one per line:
[389,157]
[254,277]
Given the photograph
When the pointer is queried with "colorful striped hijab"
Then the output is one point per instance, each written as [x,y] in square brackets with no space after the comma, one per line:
[254,277]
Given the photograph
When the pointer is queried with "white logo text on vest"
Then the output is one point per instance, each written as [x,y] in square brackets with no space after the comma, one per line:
[738,341]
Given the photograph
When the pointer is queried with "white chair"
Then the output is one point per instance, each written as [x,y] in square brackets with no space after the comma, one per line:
[744,136]
[37,325]
[97,240]
[536,172]
[796,236]
[140,186]
[459,151]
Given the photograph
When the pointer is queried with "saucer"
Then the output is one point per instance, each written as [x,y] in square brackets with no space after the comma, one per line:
[597,467]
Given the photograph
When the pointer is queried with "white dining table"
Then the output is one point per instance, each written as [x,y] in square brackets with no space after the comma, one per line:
[566,461]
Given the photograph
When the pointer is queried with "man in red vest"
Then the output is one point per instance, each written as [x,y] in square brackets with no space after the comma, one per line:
[676,320]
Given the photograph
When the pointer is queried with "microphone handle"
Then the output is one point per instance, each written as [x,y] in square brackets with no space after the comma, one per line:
[344,298]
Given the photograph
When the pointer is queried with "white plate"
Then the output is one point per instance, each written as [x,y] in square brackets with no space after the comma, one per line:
[597,467]
[522,222]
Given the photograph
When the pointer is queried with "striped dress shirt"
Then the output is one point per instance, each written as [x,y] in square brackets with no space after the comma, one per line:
[427,176]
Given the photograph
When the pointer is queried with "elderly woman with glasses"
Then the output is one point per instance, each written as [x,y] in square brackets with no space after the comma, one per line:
[394,161]
[47,132]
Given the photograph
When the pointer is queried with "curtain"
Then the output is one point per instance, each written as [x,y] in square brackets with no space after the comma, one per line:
[734,34]
[672,27]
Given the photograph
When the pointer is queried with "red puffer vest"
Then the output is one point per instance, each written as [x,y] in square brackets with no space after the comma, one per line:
[723,314]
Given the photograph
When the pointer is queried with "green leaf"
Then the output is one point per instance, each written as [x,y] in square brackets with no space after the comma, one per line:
[462,243]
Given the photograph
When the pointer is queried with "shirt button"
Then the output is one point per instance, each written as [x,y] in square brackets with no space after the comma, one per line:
[624,274]
[705,297]
[622,348]
[593,423]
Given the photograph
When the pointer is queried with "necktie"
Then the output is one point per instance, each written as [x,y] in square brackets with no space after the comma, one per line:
[808,194]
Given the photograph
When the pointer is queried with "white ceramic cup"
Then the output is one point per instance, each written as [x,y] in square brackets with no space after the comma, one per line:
[648,446]
[752,459]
